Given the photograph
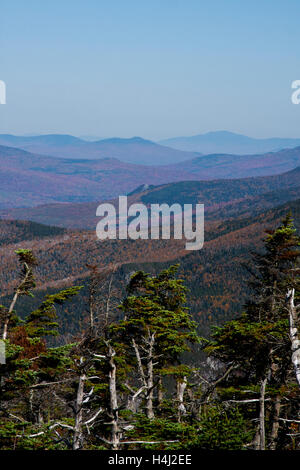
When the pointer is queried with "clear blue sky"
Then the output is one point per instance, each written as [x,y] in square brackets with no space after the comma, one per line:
[154,68]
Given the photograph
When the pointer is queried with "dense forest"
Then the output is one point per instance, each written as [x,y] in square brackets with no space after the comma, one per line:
[128,378]
[214,275]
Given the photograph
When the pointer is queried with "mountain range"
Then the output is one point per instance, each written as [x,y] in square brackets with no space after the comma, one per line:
[140,151]
[229,142]
[28,179]
[135,150]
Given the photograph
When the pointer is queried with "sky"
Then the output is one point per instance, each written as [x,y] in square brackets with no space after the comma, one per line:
[150,68]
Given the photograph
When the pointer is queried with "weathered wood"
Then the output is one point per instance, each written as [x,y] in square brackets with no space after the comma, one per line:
[78,431]
[113,397]
[181,386]
[294,335]
[262,433]
[150,381]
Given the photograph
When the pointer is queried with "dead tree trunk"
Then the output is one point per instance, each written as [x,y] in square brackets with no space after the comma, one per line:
[114,410]
[139,363]
[181,386]
[107,306]
[15,298]
[9,314]
[262,433]
[146,370]
[160,395]
[78,431]
[275,426]
[133,400]
[294,336]
[149,379]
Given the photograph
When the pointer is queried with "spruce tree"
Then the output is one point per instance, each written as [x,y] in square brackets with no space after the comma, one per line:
[258,342]
[157,329]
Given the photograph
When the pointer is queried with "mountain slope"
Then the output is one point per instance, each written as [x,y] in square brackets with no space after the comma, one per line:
[222,199]
[16,231]
[221,192]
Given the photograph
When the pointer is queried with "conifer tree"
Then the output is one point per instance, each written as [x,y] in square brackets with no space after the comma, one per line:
[31,367]
[27,262]
[258,343]
[157,329]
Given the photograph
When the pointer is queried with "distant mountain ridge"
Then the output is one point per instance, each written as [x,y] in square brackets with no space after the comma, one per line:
[137,150]
[229,142]
[134,150]
[240,166]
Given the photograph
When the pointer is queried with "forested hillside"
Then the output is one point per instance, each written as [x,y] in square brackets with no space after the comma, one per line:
[215,275]
[127,380]
[222,199]
[14,231]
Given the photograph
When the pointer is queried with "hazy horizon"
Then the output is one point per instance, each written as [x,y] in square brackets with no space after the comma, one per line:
[90,138]
[152,69]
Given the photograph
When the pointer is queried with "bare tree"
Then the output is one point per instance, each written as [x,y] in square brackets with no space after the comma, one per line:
[145,357]
[181,386]
[294,335]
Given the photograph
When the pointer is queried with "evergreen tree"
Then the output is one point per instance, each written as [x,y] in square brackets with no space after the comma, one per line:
[31,365]
[157,329]
[27,262]
[258,343]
